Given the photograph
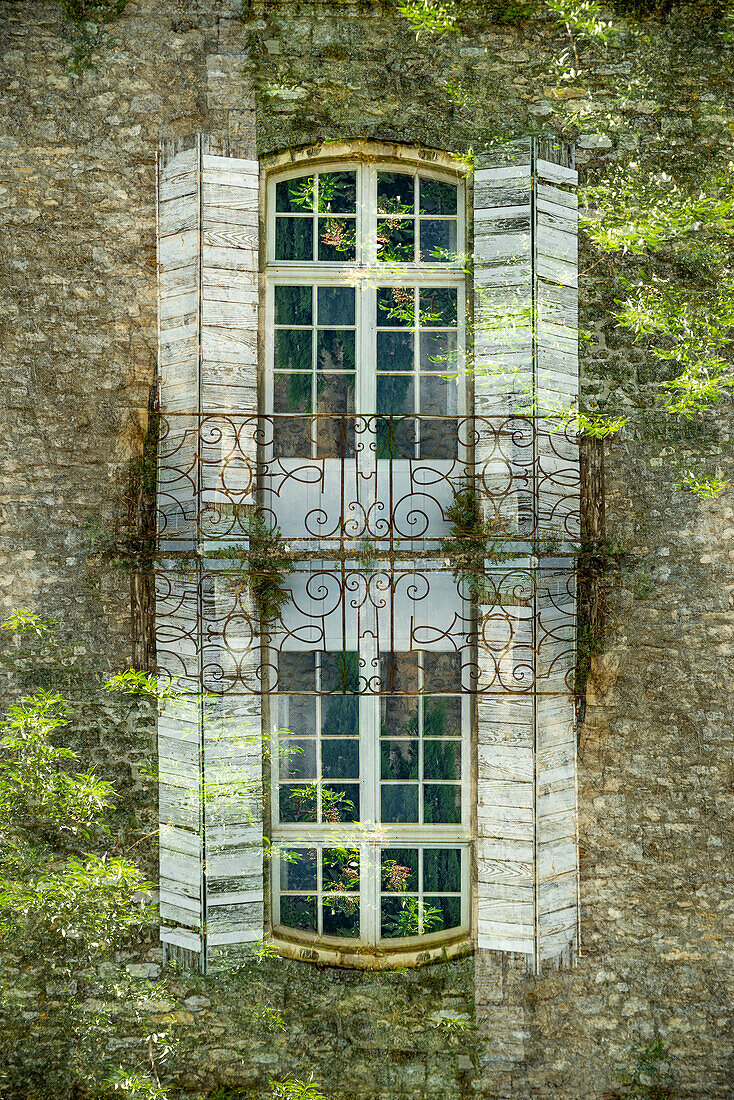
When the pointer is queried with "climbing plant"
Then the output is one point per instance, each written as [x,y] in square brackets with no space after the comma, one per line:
[88,22]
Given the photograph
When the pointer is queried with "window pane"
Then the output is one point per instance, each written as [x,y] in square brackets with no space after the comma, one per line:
[292,196]
[442,671]
[335,305]
[292,393]
[448,915]
[395,394]
[297,671]
[291,437]
[293,349]
[396,240]
[395,307]
[340,671]
[400,671]
[399,760]
[298,913]
[442,717]
[341,916]
[442,870]
[340,802]
[441,804]
[398,716]
[337,239]
[293,305]
[334,394]
[438,352]
[442,759]
[340,716]
[438,439]
[399,918]
[341,869]
[340,759]
[395,351]
[438,307]
[298,803]
[338,192]
[297,760]
[432,916]
[298,869]
[335,350]
[438,242]
[394,193]
[399,803]
[437,197]
[396,438]
[298,713]
[439,396]
[399,870]
[294,238]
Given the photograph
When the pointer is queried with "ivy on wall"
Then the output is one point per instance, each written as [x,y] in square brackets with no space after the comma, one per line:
[88,22]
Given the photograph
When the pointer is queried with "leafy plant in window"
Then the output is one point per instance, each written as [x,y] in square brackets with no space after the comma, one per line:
[395,876]
[407,921]
[300,805]
[301,192]
[339,235]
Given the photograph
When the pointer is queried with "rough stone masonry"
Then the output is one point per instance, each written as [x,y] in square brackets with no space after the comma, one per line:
[79,344]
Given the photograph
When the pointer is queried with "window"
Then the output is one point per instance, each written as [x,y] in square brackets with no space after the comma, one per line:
[365,391]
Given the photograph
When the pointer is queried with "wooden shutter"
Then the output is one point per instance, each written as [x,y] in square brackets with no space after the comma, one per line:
[210,756]
[526,379]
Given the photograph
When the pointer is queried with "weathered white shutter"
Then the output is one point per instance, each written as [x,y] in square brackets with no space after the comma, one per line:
[526,377]
[210,759]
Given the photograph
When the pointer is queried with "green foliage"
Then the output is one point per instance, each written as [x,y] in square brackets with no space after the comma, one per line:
[36,791]
[88,903]
[87,21]
[406,921]
[430,16]
[123,1083]
[474,539]
[289,1088]
[264,563]
[650,1078]
[133,681]
[584,20]
[642,583]
[638,211]
[686,316]
[598,426]
[454,1023]
[705,487]
[52,898]
[589,644]
[21,621]
[699,324]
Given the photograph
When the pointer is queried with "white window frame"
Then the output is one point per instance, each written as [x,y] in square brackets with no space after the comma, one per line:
[366,274]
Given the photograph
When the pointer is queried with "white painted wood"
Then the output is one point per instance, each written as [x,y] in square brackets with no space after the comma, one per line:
[209,755]
[526,360]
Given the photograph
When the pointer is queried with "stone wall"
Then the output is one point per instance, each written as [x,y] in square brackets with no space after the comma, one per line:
[79,344]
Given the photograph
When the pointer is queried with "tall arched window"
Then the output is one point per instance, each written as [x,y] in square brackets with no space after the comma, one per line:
[364,381]
[401,624]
